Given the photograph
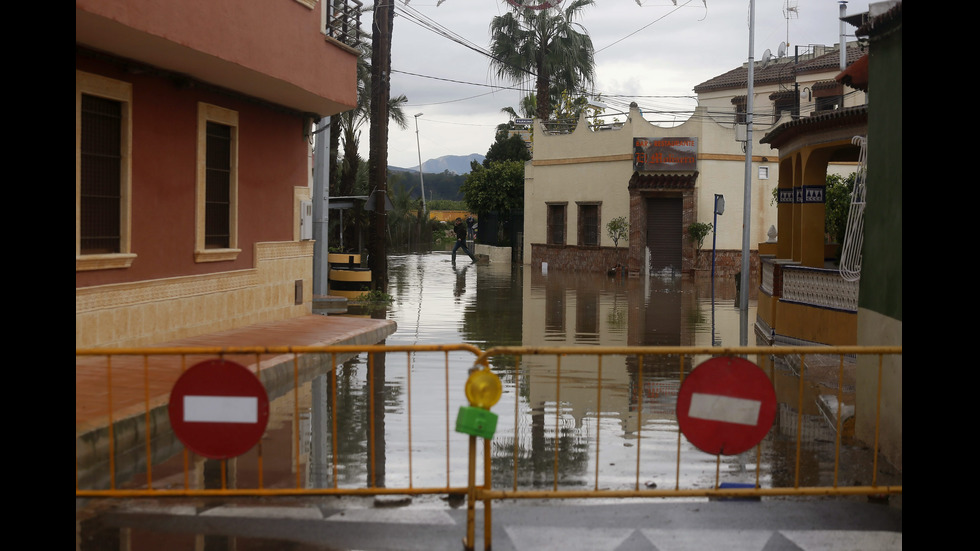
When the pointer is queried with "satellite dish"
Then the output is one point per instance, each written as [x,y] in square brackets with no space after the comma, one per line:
[782,50]
[766,56]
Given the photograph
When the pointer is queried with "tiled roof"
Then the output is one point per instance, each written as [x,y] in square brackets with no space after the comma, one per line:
[781,72]
[837,118]
[886,20]
[663,180]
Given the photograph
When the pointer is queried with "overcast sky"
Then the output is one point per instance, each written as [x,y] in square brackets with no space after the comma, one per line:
[654,54]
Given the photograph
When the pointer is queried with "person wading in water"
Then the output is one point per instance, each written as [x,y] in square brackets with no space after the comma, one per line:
[460,230]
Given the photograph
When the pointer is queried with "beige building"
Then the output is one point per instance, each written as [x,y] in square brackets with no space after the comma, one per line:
[664,179]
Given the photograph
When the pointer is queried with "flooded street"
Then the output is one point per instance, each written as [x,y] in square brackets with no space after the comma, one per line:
[595,415]
[608,425]
[609,420]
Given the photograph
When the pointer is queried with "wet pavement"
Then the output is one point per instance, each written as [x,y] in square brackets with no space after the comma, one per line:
[335,524]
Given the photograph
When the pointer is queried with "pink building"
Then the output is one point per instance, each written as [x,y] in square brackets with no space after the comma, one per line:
[192,156]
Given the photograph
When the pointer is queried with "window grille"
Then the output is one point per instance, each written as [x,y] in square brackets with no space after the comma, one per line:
[217,219]
[589,225]
[101,176]
[556,224]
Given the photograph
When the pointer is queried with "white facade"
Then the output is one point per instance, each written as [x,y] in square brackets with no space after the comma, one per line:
[590,166]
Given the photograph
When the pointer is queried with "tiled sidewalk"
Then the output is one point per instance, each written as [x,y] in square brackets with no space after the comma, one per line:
[134,385]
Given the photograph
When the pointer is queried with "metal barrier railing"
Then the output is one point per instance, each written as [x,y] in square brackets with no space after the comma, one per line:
[123,448]
[684,359]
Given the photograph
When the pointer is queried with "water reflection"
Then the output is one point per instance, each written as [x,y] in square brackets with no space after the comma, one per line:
[607,419]
[625,403]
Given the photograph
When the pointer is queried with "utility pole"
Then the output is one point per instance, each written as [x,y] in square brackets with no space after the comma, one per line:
[419,146]
[381,26]
[743,299]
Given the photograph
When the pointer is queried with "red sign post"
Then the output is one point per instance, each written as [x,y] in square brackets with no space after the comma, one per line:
[726,406]
[219,409]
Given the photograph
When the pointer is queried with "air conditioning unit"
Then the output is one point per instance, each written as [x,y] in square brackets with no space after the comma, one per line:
[305,220]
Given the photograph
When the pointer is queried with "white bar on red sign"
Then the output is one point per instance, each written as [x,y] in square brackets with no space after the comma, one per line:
[713,407]
[221,409]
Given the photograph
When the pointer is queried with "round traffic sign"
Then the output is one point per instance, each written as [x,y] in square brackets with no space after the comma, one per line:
[219,409]
[726,405]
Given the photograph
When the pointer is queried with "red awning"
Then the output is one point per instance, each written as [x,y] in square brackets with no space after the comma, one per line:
[856,74]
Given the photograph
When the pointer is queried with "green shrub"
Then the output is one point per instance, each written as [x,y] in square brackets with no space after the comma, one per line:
[698,231]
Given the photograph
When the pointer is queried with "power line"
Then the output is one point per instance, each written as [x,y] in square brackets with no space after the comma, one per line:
[647,25]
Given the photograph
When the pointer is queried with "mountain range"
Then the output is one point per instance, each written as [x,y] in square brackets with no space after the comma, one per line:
[457,164]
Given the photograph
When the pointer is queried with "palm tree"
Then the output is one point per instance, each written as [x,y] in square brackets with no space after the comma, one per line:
[345,130]
[547,44]
[528,108]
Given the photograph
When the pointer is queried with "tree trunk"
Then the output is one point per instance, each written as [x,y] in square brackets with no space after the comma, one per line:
[384,15]
[544,95]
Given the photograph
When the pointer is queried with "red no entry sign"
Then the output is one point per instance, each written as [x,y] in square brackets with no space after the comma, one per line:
[219,409]
[726,406]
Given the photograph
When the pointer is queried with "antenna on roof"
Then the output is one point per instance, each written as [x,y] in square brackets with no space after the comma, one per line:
[791,10]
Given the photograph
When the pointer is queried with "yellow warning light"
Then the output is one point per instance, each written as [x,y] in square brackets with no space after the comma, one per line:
[483,388]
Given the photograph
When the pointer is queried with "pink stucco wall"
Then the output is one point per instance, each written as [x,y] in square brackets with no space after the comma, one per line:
[277,38]
[273,158]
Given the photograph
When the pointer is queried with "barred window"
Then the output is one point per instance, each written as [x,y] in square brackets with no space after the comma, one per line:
[103,172]
[100,194]
[216,223]
[217,218]
[556,224]
[588,224]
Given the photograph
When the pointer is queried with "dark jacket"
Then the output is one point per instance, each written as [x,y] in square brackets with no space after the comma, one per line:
[460,230]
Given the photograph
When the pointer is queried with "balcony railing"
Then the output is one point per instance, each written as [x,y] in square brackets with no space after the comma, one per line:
[344,21]
[819,287]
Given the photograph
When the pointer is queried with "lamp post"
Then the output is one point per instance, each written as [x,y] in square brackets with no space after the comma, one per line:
[719,209]
[743,298]
[419,147]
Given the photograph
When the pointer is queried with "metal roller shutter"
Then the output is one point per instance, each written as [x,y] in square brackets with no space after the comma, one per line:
[664,234]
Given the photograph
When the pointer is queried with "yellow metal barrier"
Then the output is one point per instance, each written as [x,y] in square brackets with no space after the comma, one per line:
[121,423]
[124,446]
[684,359]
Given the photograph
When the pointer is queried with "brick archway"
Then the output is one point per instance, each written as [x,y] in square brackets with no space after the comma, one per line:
[645,186]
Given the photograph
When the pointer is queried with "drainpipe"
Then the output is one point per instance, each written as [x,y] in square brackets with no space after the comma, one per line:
[321,203]
[843,37]
[843,46]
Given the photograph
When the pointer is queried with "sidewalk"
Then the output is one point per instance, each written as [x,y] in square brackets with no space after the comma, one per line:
[690,525]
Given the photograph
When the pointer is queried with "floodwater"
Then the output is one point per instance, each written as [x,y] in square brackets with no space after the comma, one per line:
[613,423]
[607,426]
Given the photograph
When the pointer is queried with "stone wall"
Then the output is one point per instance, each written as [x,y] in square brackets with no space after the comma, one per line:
[574,258]
[727,263]
[602,259]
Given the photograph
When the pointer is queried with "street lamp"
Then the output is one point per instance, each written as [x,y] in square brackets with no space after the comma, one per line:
[419,147]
